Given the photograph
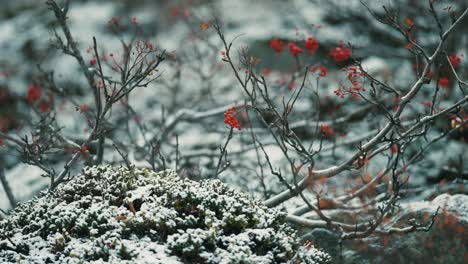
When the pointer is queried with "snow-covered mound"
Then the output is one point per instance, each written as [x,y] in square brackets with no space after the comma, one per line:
[117,215]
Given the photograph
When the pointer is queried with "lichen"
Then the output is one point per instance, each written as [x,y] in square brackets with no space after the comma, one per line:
[112,214]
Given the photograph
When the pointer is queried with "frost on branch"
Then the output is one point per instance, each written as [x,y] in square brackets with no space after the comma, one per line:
[117,215]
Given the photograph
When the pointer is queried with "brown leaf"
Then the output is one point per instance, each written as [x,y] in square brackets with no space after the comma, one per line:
[409,22]
[204,26]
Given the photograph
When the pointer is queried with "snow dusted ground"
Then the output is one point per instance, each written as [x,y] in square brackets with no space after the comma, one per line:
[139,216]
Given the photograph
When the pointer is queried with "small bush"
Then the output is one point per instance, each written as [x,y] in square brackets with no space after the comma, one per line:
[117,215]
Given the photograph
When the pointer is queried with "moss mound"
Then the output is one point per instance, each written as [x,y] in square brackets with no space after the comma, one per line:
[120,216]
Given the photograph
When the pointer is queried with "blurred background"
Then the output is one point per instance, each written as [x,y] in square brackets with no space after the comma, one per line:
[195,78]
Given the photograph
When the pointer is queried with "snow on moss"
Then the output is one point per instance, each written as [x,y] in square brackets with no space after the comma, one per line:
[119,216]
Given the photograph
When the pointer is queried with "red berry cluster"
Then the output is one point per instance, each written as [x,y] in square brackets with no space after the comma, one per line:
[277,45]
[294,49]
[291,85]
[455,60]
[114,24]
[322,70]
[394,149]
[339,92]
[34,93]
[44,107]
[327,131]
[142,47]
[395,103]
[429,74]
[354,75]
[426,104]
[353,72]
[81,108]
[311,45]
[444,82]
[340,53]
[230,119]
